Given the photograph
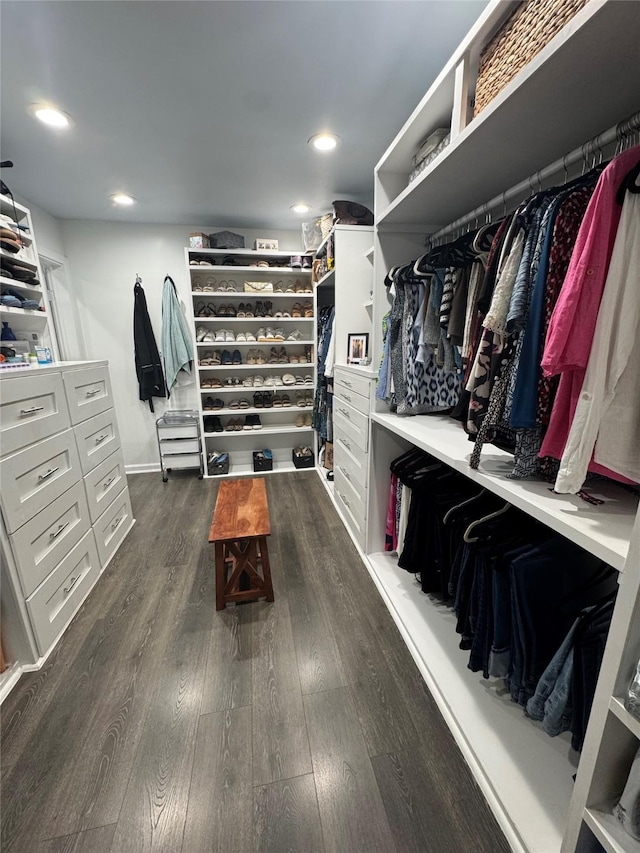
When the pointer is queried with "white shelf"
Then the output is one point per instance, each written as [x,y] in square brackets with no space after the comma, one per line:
[7,207]
[603,530]
[368,303]
[246,390]
[323,245]
[261,254]
[327,278]
[273,321]
[369,254]
[503,144]
[245,469]
[520,769]
[229,270]
[264,430]
[253,410]
[289,368]
[16,256]
[22,286]
[23,321]
[609,832]
[254,344]
[247,297]
[632,723]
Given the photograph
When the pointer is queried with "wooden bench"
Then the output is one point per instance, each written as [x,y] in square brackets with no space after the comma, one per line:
[239,529]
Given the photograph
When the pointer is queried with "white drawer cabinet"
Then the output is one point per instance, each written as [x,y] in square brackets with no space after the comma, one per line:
[97,438]
[351,408]
[54,602]
[113,525]
[104,483]
[88,392]
[64,498]
[37,475]
[31,410]
[41,543]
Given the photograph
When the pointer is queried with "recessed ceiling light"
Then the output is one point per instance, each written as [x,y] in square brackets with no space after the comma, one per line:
[301,207]
[122,199]
[324,141]
[50,115]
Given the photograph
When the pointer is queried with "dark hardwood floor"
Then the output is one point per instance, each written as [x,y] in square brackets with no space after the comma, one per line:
[300,726]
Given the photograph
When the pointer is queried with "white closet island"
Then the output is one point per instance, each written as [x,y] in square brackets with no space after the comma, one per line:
[579,85]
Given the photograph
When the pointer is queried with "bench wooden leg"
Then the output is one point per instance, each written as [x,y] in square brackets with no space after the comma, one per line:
[240,560]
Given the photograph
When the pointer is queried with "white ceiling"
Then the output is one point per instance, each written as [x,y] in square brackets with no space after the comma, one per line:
[202,110]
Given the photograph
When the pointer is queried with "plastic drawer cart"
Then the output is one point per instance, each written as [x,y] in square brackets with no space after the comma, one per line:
[179,441]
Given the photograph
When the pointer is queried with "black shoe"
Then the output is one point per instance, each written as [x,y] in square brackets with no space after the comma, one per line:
[259,309]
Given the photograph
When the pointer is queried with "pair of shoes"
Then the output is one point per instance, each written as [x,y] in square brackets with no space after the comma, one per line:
[307,310]
[289,379]
[304,398]
[224,336]
[303,420]
[281,400]
[278,355]
[231,358]
[210,384]
[204,335]
[268,309]
[232,382]
[252,422]
[208,359]
[269,334]
[243,403]
[233,425]
[273,380]
[212,423]
[245,310]
[295,335]
[256,356]
[227,311]
[259,309]
[204,310]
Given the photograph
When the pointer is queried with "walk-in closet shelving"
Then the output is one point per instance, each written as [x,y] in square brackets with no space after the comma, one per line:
[216,285]
[568,94]
[28,325]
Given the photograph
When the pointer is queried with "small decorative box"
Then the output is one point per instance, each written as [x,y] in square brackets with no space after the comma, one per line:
[226,240]
[198,241]
[265,244]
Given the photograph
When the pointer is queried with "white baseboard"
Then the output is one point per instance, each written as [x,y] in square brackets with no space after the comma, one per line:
[147,468]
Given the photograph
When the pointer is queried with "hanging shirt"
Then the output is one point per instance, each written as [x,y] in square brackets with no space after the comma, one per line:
[573,321]
[607,416]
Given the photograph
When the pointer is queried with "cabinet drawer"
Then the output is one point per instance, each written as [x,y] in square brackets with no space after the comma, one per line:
[34,477]
[354,466]
[351,382]
[31,408]
[356,524]
[102,484]
[356,500]
[187,460]
[113,525]
[188,445]
[354,399]
[52,606]
[96,439]
[352,423]
[184,431]
[41,543]
[88,392]
[346,442]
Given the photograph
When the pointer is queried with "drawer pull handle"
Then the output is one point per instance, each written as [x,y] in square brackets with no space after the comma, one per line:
[347,383]
[31,411]
[346,443]
[346,396]
[116,523]
[345,413]
[108,482]
[59,530]
[102,437]
[93,392]
[47,474]
[344,500]
[346,473]
[74,581]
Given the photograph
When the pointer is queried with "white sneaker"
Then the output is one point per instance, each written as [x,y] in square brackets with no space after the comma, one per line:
[250,337]
[262,335]
[229,336]
[241,337]
[296,335]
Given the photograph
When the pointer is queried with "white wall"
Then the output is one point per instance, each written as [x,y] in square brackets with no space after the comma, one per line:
[103,259]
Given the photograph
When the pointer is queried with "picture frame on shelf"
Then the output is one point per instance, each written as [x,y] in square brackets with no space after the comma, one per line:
[265,244]
[357,347]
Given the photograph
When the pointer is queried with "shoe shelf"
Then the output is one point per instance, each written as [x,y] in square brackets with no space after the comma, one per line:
[18,258]
[229,270]
[26,288]
[245,469]
[10,208]
[256,320]
[22,320]
[263,430]
[257,344]
[254,410]
[609,831]
[248,297]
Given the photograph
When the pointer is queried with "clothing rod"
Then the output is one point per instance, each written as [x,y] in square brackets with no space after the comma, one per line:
[618,133]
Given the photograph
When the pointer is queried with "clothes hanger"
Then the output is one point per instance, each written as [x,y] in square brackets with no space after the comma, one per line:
[467,534]
[453,509]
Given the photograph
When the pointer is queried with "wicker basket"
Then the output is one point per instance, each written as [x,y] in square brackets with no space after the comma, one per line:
[326,224]
[533,24]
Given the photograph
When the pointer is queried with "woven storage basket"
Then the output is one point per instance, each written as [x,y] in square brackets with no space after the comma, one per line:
[533,24]
[326,224]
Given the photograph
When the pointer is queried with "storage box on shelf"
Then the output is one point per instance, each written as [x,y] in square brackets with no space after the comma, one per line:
[274,358]
[527,778]
[65,501]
